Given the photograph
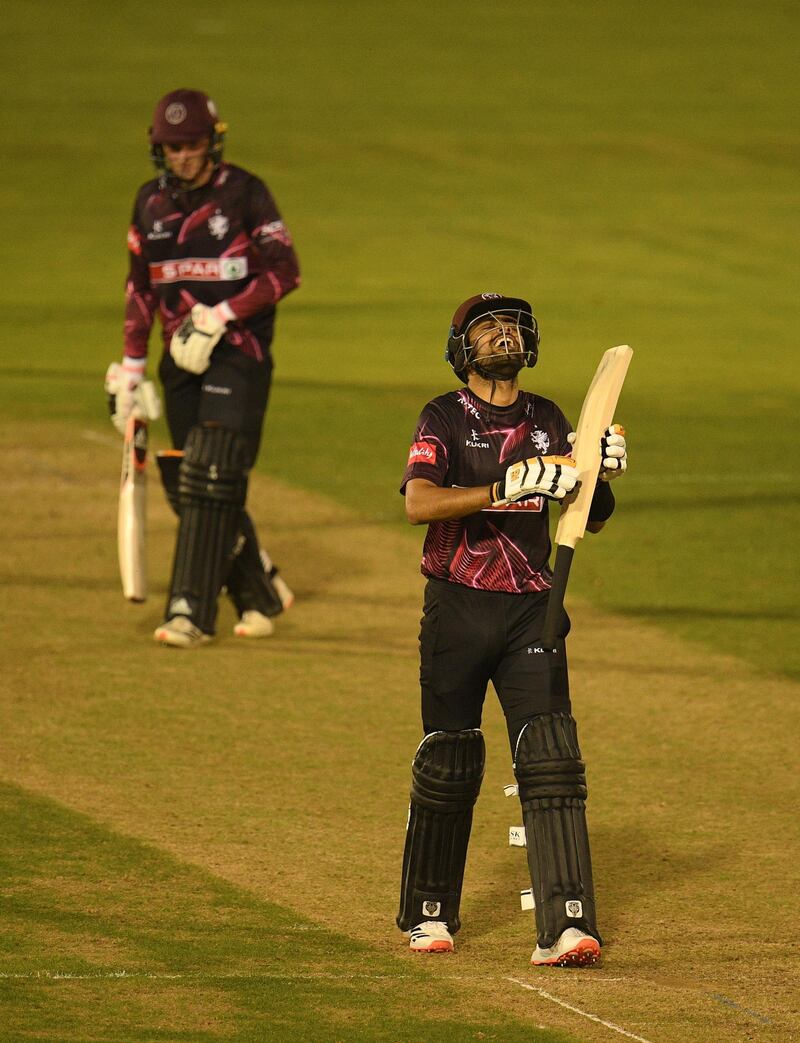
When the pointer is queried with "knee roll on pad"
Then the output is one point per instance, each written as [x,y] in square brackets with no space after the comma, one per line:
[212,485]
[446,776]
[552,790]
[214,466]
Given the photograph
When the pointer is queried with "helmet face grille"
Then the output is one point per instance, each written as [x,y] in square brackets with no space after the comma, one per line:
[500,309]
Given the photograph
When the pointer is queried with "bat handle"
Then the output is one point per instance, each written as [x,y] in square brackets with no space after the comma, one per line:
[555,603]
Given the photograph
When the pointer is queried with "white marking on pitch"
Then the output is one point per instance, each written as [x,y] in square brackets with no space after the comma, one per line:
[99,439]
[577,1010]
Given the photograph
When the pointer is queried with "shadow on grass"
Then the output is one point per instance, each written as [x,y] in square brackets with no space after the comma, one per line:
[109,938]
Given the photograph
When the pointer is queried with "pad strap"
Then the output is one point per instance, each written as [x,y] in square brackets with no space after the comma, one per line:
[552,790]
[446,776]
[169,462]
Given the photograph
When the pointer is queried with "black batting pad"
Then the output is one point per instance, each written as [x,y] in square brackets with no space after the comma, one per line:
[446,776]
[552,790]
[212,485]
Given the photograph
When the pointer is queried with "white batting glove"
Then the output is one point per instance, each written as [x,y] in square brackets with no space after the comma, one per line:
[128,394]
[122,380]
[614,451]
[550,476]
[198,335]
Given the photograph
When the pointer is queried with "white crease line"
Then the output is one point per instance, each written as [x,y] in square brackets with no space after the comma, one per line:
[577,1010]
[98,438]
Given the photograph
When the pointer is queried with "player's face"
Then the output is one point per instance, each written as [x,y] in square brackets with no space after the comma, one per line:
[189,160]
[497,344]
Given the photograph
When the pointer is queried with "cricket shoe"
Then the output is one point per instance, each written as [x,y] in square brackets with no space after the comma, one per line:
[254,624]
[573,949]
[430,936]
[180,632]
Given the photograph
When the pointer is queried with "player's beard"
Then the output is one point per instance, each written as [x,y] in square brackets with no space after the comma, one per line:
[500,367]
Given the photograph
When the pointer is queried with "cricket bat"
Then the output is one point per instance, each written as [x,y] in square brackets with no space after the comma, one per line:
[597,413]
[131,520]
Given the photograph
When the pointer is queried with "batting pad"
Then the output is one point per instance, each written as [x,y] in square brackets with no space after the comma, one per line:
[552,790]
[446,776]
[249,585]
[212,485]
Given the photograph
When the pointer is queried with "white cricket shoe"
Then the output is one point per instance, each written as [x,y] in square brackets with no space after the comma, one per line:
[430,936]
[254,624]
[573,949]
[180,632]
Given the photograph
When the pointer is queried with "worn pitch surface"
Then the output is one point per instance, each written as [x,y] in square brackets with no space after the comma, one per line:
[281,768]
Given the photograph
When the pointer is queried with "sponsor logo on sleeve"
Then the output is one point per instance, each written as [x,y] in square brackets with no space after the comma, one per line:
[422,452]
[134,241]
[275,230]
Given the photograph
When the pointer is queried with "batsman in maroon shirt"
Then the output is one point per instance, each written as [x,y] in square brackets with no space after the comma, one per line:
[211,255]
[486,557]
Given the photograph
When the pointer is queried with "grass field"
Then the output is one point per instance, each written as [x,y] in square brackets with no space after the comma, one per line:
[207,847]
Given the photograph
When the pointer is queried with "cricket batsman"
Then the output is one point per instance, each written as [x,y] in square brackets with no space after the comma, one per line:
[211,255]
[486,557]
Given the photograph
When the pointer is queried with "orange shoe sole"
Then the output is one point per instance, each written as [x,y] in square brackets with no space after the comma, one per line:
[434,947]
[585,953]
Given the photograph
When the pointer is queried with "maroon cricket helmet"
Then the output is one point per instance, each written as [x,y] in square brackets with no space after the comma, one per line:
[183,115]
[487,306]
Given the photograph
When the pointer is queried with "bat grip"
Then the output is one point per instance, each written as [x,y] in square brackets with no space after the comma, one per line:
[555,603]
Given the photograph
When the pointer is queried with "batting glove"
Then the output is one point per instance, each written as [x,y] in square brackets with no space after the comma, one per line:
[614,451]
[130,395]
[122,380]
[550,476]
[198,335]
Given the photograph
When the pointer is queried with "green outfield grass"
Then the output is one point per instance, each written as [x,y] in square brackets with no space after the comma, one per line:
[633,170]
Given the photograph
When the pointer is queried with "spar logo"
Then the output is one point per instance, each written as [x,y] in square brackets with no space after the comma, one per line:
[134,241]
[199,269]
[424,452]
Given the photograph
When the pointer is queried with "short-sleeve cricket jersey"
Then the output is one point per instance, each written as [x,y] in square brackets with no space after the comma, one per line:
[463,442]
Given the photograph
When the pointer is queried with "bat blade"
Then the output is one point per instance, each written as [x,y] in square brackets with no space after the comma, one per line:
[597,413]
[131,520]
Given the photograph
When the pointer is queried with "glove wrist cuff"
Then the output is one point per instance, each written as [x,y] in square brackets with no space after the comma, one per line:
[224,312]
[497,494]
[133,365]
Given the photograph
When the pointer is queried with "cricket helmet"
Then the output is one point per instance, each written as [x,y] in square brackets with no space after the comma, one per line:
[185,115]
[490,306]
